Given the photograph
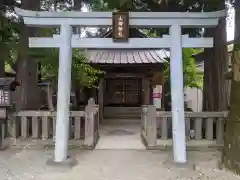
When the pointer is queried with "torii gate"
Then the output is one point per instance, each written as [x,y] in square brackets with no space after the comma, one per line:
[175,41]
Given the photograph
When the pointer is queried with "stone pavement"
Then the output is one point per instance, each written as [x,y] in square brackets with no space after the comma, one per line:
[120,136]
[110,165]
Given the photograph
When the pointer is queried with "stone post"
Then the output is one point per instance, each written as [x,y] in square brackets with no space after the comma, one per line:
[151,126]
[177,95]
[90,112]
[63,94]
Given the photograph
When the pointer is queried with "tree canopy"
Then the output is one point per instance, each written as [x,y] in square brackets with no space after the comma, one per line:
[82,72]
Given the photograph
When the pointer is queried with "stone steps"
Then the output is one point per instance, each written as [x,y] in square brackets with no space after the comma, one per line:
[122,112]
[121,120]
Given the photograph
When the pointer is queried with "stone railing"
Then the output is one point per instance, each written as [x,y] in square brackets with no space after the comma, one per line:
[41,125]
[202,128]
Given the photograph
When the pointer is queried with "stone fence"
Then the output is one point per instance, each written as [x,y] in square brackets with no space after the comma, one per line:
[39,127]
[202,128]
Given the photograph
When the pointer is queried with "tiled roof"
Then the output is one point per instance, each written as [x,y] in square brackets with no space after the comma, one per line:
[127,56]
[6,81]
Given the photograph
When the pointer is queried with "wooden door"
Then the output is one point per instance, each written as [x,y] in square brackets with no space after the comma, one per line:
[123,92]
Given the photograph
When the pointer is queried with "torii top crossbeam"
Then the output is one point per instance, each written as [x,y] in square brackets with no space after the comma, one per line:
[136,19]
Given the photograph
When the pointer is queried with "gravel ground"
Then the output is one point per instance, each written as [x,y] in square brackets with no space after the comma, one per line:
[110,165]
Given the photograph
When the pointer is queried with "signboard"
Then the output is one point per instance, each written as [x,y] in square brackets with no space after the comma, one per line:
[157,95]
[120,26]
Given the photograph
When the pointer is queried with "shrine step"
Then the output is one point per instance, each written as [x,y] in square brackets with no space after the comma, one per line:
[121,120]
[122,112]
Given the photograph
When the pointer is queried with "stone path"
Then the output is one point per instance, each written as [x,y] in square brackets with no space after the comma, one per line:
[120,136]
[111,165]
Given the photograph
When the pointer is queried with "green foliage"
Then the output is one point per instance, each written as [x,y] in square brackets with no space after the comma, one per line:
[157,5]
[82,71]
[9,29]
[191,77]
[8,36]
[119,4]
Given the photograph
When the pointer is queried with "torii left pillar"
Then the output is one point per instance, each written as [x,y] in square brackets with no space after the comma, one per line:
[63,97]
[177,95]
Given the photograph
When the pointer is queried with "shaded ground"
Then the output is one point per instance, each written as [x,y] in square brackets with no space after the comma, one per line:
[110,165]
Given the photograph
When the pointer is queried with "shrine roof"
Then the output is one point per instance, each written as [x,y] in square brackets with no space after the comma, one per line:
[127,56]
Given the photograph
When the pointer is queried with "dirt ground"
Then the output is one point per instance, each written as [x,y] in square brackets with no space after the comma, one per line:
[26,164]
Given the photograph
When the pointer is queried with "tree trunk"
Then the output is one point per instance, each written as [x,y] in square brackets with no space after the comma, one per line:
[49,97]
[77,88]
[230,156]
[2,62]
[215,67]
[27,92]
[2,68]
[77,30]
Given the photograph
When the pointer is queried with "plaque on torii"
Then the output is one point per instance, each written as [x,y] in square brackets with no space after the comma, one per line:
[120,25]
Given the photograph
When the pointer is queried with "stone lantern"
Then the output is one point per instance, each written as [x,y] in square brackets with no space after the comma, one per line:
[6,86]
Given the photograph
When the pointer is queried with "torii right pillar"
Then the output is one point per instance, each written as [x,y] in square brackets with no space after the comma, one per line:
[177,95]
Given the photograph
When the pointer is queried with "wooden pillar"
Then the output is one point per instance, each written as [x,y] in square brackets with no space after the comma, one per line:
[146,91]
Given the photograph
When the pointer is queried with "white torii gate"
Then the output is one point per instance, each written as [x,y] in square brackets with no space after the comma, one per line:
[175,41]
